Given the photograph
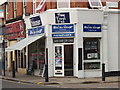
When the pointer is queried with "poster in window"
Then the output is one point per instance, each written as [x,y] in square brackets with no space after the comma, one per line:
[58,56]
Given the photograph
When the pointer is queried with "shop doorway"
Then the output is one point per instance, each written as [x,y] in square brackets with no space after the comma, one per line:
[63,60]
[68,60]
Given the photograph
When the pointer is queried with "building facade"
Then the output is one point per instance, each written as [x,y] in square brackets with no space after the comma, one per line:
[76,38]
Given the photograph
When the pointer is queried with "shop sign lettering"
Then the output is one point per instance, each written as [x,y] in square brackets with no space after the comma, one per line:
[35,31]
[64,35]
[62,17]
[35,21]
[15,30]
[63,28]
[91,27]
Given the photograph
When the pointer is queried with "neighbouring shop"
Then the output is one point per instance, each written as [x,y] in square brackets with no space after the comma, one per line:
[15,32]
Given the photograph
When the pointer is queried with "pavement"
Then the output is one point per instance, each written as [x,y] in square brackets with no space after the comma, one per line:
[57,80]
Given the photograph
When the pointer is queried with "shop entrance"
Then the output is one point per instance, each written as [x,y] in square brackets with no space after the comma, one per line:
[68,60]
[63,60]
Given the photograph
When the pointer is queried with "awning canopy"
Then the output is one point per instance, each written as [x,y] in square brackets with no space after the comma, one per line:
[23,43]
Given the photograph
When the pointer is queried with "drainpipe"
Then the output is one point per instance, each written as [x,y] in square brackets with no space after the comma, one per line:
[105,38]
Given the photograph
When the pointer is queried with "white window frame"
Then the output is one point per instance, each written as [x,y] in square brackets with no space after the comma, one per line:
[24,6]
[63,1]
[99,1]
[15,8]
[34,6]
[95,60]
[7,6]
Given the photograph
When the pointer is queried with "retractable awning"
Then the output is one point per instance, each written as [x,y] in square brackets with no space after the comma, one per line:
[23,43]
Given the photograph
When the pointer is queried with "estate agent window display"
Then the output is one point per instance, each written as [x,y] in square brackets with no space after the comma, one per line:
[37,53]
[91,53]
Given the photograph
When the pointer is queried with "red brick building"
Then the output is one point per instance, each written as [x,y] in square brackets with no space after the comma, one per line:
[16,9]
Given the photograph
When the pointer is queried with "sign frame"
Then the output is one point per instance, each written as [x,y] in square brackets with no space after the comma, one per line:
[58,35]
[36,31]
[92,27]
[63,28]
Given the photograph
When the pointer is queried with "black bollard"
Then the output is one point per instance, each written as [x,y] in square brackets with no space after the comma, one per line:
[103,72]
[46,73]
[13,69]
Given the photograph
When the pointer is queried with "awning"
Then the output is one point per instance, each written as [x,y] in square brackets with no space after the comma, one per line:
[23,43]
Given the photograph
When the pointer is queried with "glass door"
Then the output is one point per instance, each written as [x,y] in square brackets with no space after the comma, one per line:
[58,60]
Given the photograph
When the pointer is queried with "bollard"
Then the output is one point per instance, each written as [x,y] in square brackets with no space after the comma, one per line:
[46,73]
[3,57]
[13,69]
[103,72]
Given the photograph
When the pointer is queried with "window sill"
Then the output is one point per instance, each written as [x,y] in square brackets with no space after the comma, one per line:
[91,70]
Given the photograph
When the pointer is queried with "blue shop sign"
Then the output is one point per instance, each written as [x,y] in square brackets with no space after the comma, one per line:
[35,21]
[62,17]
[63,28]
[35,31]
[64,35]
[91,27]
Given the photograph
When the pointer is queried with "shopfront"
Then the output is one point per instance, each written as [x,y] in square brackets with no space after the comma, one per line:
[63,35]
[14,33]
[74,43]
[36,50]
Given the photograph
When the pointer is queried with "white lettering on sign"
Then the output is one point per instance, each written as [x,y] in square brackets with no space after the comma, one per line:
[89,27]
[60,27]
[36,23]
[36,32]
[60,18]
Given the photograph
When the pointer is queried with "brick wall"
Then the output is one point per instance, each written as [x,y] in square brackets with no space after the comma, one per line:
[29,7]
[11,10]
[19,11]
[51,4]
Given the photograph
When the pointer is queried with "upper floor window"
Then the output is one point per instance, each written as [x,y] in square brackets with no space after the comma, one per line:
[7,9]
[95,3]
[15,8]
[63,3]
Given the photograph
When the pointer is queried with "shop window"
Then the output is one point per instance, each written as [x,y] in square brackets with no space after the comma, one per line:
[37,53]
[92,65]
[91,47]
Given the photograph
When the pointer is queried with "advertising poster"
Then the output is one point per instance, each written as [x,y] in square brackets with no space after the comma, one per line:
[58,56]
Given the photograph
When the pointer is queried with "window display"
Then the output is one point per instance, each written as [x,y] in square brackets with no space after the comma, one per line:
[58,57]
[92,65]
[91,49]
[37,54]
[91,53]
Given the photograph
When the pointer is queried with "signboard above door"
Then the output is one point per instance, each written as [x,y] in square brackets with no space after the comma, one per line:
[63,28]
[63,35]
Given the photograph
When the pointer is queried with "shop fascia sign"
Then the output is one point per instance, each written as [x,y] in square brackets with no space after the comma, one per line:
[63,28]
[63,35]
[15,30]
[36,31]
[35,21]
[92,27]
[62,17]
